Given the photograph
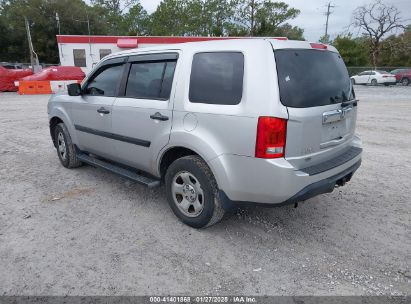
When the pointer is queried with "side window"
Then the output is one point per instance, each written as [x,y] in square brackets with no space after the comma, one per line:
[362,74]
[150,80]
[371,73]
[104,53]
[217,78]
[79,56]
[104,82]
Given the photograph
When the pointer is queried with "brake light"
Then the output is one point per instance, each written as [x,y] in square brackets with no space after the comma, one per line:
[271,135]
[318,46]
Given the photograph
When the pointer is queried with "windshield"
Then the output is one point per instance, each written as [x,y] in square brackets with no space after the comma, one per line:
[311,78]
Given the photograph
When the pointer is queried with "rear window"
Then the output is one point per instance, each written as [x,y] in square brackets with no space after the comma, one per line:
[311,78]
[217,78]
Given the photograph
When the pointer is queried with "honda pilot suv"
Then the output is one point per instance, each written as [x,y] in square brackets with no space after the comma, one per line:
[221,123]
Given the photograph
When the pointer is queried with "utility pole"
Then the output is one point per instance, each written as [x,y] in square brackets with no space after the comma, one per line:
[58,26]
[34,59]
[328,13]
[89,33]
[58,22]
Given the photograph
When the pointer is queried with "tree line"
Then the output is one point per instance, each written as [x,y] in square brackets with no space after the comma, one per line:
[374,44]
[394,50]
[128,17]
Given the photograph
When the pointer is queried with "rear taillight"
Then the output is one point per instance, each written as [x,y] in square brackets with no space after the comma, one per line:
[271,134]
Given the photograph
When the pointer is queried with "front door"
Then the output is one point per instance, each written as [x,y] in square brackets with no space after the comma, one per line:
[92,113]
[143,115]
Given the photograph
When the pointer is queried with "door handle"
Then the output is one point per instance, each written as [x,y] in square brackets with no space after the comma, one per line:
[102,110]
[159,116]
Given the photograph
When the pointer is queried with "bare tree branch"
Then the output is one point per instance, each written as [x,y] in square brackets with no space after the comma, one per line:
[376,20]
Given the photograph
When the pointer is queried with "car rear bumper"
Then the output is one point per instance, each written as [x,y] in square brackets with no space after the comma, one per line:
[323,186]
[249,180]
[388,81]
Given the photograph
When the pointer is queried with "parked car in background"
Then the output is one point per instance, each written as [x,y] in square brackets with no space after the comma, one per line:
[11,66]
[402,76]
[374,78]
[222,123]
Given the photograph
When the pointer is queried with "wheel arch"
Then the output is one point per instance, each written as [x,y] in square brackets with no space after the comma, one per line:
[58,115]
[54,121]
[170,154]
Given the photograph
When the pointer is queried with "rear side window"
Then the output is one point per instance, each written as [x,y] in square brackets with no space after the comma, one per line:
[104,82]
[217,78]
[150,80]
[311,78]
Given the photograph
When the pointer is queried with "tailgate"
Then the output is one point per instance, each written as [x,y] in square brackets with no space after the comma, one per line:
[316,89]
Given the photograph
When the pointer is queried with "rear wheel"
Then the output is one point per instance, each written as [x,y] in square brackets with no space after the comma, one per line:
[374,82]
[65,148]
[192,192]
[405,81]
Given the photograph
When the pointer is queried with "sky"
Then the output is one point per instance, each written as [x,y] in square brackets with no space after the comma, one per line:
[312,17]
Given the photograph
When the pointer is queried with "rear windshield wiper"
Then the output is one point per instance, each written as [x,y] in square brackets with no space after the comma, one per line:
[349,102]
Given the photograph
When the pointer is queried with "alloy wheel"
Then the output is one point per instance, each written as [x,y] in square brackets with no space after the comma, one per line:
[61,145]
[187,194]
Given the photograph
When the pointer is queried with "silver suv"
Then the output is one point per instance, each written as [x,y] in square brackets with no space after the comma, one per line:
[221,123]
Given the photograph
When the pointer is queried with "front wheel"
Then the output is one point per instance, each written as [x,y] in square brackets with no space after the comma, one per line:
[405,81]
[352,81]
[192,192]
[65,147]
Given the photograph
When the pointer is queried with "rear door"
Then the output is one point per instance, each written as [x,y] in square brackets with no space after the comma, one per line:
[142,114]
[313,85]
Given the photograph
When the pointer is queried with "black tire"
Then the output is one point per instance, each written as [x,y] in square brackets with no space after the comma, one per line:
[374,82]
[69,158]
[405,81]
[386,84]
[200,176]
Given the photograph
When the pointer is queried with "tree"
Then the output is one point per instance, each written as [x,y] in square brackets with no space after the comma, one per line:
[218,16]
[112,12]
[376,20]
[192,17]
[289,31]
[396,50]
[41,16]
[136,21]
[351,50]
[169,18]
[262,17]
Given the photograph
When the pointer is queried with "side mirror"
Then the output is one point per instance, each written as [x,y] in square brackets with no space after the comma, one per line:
[74,89]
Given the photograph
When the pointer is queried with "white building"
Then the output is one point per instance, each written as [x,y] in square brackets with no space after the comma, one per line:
[86,51]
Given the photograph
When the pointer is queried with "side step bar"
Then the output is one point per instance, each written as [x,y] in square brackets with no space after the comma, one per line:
[130,174]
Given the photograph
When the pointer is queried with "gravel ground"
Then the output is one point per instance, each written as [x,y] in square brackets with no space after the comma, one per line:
[89,232]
